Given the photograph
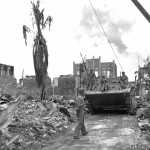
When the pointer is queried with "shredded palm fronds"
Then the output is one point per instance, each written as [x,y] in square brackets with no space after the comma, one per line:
[40,52]
[25,30]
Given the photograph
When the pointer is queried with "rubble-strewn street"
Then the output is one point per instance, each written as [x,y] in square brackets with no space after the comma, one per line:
[113,131]
[33,126]
[48,126]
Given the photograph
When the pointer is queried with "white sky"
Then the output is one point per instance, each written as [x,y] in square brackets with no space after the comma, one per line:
[75,30]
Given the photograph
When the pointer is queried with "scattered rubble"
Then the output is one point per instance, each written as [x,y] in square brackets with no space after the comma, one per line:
[143,112]
[32,126]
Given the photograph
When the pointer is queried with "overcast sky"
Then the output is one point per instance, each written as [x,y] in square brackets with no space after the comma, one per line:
[74,30]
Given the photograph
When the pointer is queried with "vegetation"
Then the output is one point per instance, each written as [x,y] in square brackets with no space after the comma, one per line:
[40,51]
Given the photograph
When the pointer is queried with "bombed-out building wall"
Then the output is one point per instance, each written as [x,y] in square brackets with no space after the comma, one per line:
[108,69]
[6,70]
[7,80]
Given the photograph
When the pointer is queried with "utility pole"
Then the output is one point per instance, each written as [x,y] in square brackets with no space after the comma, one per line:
[141,9]
[53,88]
[80,74]
[138,62]
[22,83]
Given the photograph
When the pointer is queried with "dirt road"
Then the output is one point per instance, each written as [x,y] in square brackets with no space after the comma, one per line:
[106,132]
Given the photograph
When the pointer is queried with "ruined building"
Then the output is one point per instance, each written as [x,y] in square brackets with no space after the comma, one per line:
[6,70]
[108,69]
[29,82]
[7,80]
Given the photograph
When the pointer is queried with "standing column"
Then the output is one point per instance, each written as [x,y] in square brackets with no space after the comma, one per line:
[74,69]
[76,86]
[106,72]
[8,68]
[100,67]
[93,63]
[0,70]
[87,64]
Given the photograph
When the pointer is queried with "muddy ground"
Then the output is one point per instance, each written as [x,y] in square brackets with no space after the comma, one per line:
[107,131]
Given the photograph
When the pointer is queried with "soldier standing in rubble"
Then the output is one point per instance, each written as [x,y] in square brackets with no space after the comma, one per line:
[123,80]
[80,108]
[92,79]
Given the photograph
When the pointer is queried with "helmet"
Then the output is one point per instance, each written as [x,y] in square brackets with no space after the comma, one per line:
[81,91]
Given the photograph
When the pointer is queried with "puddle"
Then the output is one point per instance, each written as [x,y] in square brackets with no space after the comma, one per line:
[98,126]
[95,127]
[126,131]
[127,118]
[111,142]
[73,128]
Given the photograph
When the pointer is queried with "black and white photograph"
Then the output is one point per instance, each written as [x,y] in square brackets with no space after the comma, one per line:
[75,75]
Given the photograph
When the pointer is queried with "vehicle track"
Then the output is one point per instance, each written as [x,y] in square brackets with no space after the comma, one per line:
[107,131]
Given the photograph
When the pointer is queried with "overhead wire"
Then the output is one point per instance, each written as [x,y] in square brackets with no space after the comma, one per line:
[105,34]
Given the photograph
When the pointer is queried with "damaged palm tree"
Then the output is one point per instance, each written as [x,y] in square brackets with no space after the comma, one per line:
[40,52]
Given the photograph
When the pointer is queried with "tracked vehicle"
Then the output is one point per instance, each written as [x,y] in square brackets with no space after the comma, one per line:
[114,98]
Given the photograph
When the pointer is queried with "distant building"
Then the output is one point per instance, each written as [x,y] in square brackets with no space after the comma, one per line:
[29,82]
[6,70]
[7,80]
[66,76]
[108,69]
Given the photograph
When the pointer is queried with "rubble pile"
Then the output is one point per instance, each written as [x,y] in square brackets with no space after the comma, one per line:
[143,111]
[34,124]
[8,84]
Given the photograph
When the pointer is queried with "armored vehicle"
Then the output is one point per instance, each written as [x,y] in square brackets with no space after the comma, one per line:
[114,97]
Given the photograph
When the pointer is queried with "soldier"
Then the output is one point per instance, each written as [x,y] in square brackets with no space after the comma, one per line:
[97,84]
[123,80]
[80,107]
[92,79]
[104,84]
